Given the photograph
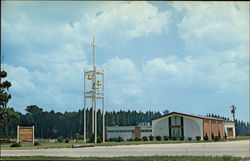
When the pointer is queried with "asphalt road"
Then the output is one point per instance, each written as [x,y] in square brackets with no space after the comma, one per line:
[230,148]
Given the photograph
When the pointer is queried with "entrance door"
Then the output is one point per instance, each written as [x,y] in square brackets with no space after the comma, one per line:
[230,132]
[176,132]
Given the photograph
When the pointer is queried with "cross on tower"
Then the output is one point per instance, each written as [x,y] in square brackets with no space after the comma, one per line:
[97,78]
[94,46]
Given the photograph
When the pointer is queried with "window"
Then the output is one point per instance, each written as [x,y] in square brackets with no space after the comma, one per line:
[176,132]
[175,120]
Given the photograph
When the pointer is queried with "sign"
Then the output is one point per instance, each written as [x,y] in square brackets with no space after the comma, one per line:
[25,134]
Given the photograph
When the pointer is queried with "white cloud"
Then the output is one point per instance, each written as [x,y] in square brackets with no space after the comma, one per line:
[125,20]
[203,71]
[214,24]
[20,79]
[123,81]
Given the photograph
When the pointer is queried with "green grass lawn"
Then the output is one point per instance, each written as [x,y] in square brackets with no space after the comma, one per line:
[69,145]
[153,158]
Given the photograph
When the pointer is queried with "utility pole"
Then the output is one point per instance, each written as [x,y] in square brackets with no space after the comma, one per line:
[233,108]
[96,77]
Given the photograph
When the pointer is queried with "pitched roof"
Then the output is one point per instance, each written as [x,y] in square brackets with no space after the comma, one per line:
[195,116]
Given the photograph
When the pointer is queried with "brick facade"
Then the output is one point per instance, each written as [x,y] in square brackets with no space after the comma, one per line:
[220,129]
[137,132]
[206,128]
[216,128]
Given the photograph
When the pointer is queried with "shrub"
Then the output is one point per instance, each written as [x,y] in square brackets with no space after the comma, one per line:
[198,138]
[145,138]
[99,139]
[119,139]
[158,138]
[174,137]
[66,140]
[130,139]
[181,137]
[16,144]
[78,136]
[151,137]
[60,139]
[165,137]
[212,136]
[189,138]
[216,138]
[138,139]
[92,138]
[205,137]
[37,143]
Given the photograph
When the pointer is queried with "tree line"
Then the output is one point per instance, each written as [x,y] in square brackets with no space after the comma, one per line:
[51,124]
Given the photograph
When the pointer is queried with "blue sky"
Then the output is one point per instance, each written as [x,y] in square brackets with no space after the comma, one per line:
[190,57]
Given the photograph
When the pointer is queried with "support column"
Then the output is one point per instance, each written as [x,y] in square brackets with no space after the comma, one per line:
[18,133]
[33,137]
[103,112]
[84,126]
[84,110]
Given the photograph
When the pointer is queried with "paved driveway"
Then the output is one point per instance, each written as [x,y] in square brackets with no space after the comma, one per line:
[230,148]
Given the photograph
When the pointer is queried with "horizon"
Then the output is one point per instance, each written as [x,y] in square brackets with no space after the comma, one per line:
[180,56]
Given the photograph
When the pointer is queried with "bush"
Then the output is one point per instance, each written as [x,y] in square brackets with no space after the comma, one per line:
[16,144]
[198,138]
[138,139]
[181,137]
[37,143]
[165,137]
[158,138]
[66,140]
[99,139]
[78,136]
[151,137]
[60,139]
[205,137]
[212,136]
[145,138]
[113,139]
[216,138]
[189,138]
[120,139]
[174,137]
[130,139]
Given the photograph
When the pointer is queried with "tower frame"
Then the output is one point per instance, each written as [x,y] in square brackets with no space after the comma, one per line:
[94,94]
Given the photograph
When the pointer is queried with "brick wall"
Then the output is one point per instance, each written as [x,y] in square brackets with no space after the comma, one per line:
[206,128]
[214,128]
[137,132]
[220,129]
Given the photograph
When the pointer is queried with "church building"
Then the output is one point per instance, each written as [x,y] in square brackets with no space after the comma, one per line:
[178,125]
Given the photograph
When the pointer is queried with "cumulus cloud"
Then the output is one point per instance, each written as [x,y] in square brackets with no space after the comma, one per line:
[135,19]
[123,81]
[206,71]
[214,24]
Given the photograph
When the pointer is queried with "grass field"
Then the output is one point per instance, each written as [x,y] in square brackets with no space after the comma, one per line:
[69,145]
[153,158]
